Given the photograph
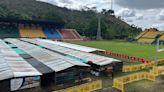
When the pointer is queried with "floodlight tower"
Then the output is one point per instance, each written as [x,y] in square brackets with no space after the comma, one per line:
[99,37]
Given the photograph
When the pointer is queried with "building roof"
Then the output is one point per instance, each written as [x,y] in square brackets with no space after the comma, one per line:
[40,22]
[53,60]
[96,59]
[12,65]
[74,46]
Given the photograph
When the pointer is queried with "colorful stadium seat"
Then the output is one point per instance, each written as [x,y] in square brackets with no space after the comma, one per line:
[141,34]
[162,37]
[52,33]
[31,32]
[151,34]
[146,41]
[8,31]
[67,34]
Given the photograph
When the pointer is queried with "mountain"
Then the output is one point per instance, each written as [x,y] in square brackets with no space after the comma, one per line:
[85,21]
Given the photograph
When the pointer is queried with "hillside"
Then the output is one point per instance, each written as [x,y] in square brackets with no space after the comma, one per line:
[84,21]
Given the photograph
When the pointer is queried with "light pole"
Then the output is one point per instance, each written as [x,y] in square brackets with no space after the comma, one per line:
[99,37]
[156,51]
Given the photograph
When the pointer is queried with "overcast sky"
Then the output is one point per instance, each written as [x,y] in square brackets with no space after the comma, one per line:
[142,13]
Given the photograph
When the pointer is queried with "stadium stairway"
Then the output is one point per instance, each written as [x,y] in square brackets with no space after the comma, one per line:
[67,34]
[77,34]
[140,35]
[51,33]
[8,32]
[31,32]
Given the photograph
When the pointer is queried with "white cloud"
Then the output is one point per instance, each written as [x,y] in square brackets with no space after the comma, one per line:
[159,26]
[78,4]
[125,12]
[66,1]
[141,4]
[139,17]
[129,15]
[129,20]
[160,16]
[49,1]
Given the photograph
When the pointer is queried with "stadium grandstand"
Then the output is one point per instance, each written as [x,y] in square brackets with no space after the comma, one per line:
[12,28]
[149,36]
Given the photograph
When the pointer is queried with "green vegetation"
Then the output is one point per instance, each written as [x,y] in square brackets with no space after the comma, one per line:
[84,20]
[132,49]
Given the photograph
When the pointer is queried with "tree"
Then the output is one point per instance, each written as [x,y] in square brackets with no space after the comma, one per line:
[110,12]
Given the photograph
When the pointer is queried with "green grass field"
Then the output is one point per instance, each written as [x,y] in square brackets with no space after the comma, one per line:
[122,47]
[132,49]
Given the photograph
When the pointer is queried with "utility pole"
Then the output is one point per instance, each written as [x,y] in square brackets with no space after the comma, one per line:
[99,28]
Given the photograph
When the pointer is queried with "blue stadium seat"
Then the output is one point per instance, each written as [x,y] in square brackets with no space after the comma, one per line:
[51,33]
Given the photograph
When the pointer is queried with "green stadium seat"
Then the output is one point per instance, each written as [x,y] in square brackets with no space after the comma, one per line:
[8,31]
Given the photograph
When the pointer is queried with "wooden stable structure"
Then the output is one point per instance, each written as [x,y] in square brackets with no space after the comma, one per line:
[55,69]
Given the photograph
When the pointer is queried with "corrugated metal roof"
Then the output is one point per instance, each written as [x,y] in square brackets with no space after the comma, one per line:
[12,65]
[96,59]
[73,46]
[5,71]
[53,60]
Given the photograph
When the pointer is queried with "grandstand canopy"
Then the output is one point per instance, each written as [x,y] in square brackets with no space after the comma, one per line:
[35,22]
[74,46]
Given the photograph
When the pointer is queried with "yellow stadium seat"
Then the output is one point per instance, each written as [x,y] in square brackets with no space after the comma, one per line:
[162,37]
[141,34]
[146,41]
[31,32]
[151,34]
